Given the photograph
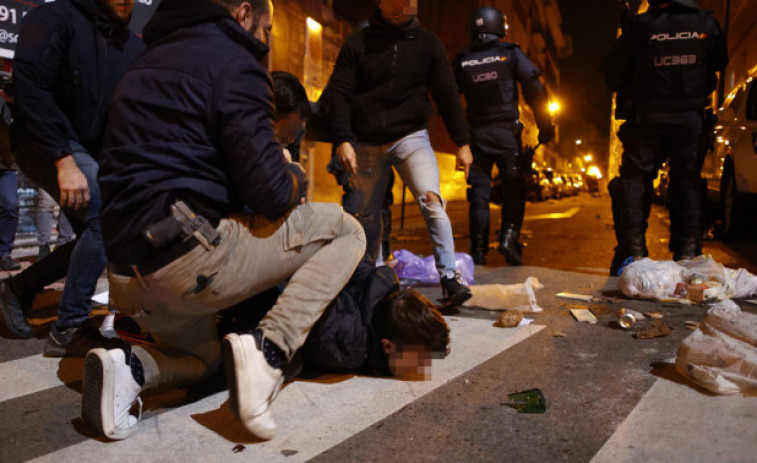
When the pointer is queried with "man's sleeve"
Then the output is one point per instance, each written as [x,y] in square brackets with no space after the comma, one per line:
[618,65]
[42,47]
[342,84]
[445,93]
[533,90]
[244,115]
[718,59]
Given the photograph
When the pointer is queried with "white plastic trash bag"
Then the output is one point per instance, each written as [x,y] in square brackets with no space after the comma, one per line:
[721,355]
[520,296]
[650,279]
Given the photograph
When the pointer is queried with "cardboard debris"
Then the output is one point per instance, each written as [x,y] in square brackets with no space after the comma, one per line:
[704,291]
[583,315]
[656,315]
[576,297]
[509,319]
[657,329]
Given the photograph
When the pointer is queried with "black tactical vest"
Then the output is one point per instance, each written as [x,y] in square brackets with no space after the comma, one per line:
[487,79]
[670,74]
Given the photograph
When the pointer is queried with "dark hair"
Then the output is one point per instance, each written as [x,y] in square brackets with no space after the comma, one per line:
[258,8]
[289,95]
[409,318]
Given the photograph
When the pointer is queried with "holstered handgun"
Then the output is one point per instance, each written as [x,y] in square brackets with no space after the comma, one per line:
[182,224]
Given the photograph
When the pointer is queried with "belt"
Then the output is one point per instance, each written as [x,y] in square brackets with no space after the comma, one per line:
[158,261]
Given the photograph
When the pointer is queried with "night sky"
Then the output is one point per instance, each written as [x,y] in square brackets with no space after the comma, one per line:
[592,24]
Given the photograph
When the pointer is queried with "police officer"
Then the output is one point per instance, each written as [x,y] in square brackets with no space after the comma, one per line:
[665,63]
[486,74]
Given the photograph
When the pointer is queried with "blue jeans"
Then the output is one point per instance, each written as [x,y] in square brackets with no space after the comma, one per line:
[415,162]
[80,261]
[8,210]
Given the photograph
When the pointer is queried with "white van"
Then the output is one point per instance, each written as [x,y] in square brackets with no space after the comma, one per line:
[731,169]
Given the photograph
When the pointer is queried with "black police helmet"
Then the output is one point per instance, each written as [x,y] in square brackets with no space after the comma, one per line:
[486,25]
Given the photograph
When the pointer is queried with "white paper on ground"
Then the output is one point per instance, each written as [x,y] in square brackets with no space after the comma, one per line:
[101,298]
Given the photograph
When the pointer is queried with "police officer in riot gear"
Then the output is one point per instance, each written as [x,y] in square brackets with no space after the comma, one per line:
[665,63]
[487,74]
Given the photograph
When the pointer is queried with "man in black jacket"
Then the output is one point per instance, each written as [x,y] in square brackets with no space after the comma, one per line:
[201,211]
[70,56]
[488,73]
[379,113]
[666,63]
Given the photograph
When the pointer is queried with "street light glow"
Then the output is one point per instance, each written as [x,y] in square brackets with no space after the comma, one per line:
[554,107]
[594,172]
[579,141]
[588,158]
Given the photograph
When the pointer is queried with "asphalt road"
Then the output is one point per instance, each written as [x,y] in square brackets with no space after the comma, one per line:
[593,376]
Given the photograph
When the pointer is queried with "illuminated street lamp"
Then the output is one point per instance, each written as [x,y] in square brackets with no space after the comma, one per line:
[588,158]
[594,172]
[554,107]
[579,141]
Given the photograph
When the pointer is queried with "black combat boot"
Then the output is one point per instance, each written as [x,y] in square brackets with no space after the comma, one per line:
[687,248]
[479,245]
[509,246]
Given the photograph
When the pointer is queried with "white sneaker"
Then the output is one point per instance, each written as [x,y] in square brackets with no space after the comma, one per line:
[109,391]
[253,384]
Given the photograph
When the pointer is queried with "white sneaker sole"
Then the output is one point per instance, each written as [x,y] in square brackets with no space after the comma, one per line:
[98,395]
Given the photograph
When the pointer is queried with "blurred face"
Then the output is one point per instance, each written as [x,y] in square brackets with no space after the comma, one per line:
[288,127]
[397,12]
[119,8]
[408,362]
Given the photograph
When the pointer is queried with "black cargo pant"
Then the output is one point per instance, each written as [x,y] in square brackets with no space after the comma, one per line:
[494,144]
[657,137]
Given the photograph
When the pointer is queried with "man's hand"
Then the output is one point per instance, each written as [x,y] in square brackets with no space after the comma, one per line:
[464,159]
[302,177]
[347,157]
[547,134]
[74,189]
[287,155]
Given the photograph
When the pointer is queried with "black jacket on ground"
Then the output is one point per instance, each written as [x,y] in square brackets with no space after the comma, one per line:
[381,81]
[343,339]
[69,59]
[193,120]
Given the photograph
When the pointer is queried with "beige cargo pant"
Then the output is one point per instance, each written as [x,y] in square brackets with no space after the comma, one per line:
[318,245]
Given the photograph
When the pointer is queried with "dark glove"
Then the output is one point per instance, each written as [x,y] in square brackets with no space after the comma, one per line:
[546,134]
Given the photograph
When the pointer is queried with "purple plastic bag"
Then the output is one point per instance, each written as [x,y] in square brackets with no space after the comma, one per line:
[423,270]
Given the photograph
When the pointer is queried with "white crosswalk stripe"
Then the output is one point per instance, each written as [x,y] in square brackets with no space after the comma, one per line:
[313,415]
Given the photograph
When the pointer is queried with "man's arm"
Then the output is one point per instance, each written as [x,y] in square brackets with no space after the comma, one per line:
[40,54]
[343,83]
[618,64]
[535,94]
[260,176]
[446,94]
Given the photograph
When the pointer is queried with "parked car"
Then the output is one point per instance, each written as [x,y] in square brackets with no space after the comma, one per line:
[578,183]
[730,170]
[555,188]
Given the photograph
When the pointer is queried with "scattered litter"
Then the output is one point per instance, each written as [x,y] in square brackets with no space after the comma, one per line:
[496,296]
[583,315]
[627,317]
[238,448]
[692,325]
[721,355]
[525,322]
[657,329]
[531,401]
[289,452]
[559,334]
[423,269]
[656,315]
[669,281]
[576,297]
[509,319]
